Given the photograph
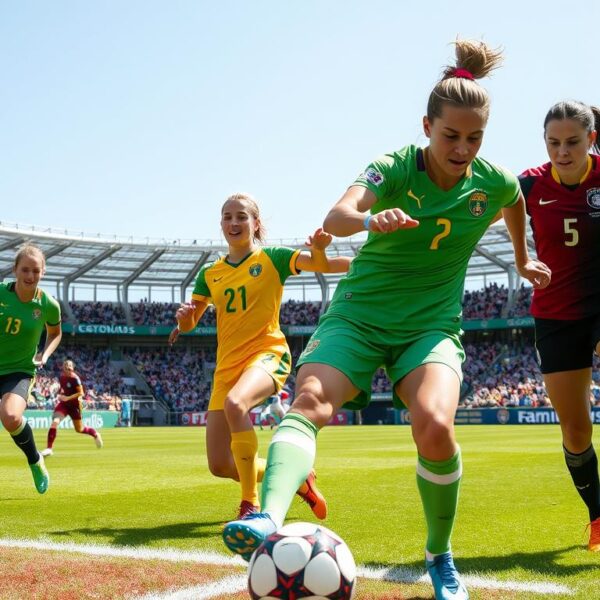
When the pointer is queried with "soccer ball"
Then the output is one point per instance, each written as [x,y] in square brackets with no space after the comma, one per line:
[302,560]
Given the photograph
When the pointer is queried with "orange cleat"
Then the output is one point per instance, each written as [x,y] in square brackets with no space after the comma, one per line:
[594,544]
[313,497]
[247,508]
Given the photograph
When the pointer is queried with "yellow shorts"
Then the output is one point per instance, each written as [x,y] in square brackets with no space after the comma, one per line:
[276,361]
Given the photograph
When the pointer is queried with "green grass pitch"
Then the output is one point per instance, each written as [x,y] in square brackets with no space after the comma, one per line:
[520,518]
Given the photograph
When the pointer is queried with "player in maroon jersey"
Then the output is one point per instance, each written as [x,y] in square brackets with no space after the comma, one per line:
[563,202]
[69,405]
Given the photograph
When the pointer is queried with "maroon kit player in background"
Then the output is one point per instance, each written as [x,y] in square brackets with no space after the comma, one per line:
[69,405]
[563,202]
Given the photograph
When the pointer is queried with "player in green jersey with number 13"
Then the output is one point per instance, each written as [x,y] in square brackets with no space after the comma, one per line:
[400,306]
[25,311]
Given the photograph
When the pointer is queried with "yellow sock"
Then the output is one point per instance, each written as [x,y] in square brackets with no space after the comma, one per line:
[244,447]
[261,466]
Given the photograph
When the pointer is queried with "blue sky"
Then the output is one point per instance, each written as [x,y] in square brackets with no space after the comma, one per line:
[139,118]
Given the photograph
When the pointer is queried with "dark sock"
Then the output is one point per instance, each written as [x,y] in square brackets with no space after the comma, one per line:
[51,437]
[584,472]
[89,431]
[23,438]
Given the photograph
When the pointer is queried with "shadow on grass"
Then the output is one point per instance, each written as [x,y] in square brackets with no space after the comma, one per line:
[539,564]
[134,536]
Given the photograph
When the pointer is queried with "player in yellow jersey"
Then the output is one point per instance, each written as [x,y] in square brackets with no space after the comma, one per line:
[25,312]
[253,358]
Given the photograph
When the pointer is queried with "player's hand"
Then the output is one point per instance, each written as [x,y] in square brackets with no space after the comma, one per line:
[185,311]
[39,361]
[319,240]
[173,336]
[390,220]
[537,273]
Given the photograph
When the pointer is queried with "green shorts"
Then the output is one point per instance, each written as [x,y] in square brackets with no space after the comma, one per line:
[348,348]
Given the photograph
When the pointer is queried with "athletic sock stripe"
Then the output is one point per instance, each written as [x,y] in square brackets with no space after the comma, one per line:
[301,441]
[439,479]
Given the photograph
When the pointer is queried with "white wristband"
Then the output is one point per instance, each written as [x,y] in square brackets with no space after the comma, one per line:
[366,221]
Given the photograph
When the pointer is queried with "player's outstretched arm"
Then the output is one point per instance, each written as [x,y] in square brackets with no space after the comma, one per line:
[535,271]
[318,260]
[350,216]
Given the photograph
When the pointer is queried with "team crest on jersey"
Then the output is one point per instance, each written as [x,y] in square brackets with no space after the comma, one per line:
[478,202]
[372,176]
[36,314]
[255,270]
[593,198]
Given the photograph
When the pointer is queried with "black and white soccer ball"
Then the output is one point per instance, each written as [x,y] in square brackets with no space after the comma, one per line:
[302,560]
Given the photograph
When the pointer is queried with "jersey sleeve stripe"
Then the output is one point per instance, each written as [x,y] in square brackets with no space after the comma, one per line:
[201,298]
[294,270]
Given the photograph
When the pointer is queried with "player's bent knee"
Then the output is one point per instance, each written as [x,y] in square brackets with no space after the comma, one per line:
[11,421]
[314,407]
[433,432]
[234,408]
[223,470]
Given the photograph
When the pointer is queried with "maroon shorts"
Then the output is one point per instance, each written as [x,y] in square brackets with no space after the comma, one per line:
[70,408]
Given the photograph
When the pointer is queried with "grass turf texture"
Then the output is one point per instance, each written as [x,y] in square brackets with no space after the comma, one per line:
[520,518]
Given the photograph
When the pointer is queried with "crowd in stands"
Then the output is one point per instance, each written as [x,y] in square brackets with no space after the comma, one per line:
[178,376]
[98,313]
[490,302]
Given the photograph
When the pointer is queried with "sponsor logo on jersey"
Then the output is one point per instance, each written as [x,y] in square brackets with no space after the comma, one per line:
[36,314]
[478,202]
[312,345]
[372,176]
[544,202]
[255,270]
[416,198]
[593,198]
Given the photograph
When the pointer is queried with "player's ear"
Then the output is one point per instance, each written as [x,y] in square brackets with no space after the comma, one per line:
[426,126]
[592,137]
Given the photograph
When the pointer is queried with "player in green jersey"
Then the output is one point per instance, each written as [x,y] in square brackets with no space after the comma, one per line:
[25,311]
[400,305]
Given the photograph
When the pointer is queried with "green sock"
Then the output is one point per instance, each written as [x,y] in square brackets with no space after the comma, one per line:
[438,484]
[289,462]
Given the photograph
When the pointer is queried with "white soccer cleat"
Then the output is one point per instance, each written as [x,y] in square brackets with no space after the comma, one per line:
[98,440]
[47,452]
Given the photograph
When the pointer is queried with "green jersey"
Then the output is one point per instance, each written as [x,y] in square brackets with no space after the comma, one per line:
[21,325]
[412,280]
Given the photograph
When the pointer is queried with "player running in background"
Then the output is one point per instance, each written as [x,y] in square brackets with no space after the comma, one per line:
[276,407]
[69,405]
[253,358]
[400,306]
[25,312]
[563,201]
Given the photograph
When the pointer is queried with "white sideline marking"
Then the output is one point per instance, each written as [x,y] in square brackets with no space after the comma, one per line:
[400,575]
[396,574]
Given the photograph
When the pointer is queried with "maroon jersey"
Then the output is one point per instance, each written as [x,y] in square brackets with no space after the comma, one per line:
[70,384]
[566,229]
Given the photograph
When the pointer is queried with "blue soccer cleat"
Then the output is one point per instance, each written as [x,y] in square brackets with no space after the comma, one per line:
[245,535]
[446,581]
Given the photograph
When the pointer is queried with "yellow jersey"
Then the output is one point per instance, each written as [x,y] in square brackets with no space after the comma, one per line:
[247,299]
